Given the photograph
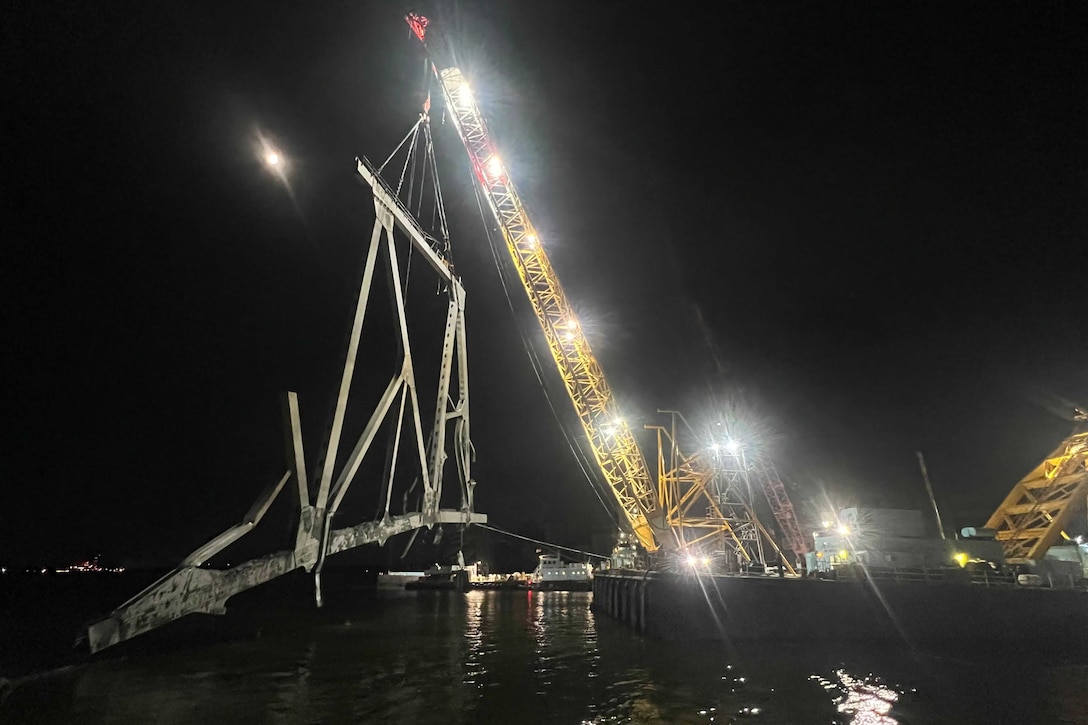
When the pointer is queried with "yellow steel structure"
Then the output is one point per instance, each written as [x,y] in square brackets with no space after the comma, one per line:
[695,507]
[1033,515]
[681,510]
[611,440]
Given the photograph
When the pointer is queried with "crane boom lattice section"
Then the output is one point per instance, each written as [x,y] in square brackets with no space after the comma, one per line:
[1032,516]
[613,444]
[767,476]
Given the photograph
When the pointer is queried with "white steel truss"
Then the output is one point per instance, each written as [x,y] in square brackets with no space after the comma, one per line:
[190,588]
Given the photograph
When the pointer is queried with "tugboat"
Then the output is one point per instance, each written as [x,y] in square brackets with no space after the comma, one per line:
[552,574]
[454,577]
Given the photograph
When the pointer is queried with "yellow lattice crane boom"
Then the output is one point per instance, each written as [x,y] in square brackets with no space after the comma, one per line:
[1032,517]
[611,440]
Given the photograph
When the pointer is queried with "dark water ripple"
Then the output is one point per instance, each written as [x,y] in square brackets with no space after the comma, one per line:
[501,657]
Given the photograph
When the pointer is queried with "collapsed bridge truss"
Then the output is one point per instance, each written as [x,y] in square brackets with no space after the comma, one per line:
[192,588]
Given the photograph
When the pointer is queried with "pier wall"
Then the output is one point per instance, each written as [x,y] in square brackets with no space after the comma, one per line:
[672,606]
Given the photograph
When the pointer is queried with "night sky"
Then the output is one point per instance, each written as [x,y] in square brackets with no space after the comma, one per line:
[878,211]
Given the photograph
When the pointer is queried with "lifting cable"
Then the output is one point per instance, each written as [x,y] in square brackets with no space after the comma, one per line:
[579,454]
[542,543]
[408,170]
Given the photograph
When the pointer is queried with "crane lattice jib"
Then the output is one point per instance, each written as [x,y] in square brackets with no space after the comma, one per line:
[782,508]
[1033,515]
[611,440]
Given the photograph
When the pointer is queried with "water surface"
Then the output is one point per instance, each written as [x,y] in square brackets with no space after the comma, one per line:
[506,657]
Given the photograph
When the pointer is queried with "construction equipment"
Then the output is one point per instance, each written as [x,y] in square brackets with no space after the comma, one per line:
[660,515]
[1040,506]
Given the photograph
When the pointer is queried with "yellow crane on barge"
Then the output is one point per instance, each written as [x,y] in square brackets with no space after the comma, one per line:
[681,506]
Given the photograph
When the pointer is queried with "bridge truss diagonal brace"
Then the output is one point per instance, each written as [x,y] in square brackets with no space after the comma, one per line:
[191,589]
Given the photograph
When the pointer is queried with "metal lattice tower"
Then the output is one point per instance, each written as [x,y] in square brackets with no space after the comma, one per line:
[765,475]
[1031,518]
[736,479]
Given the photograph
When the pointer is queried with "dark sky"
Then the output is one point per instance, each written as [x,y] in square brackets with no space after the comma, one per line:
[879,210]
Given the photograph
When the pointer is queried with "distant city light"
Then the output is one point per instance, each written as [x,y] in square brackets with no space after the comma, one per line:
[87,567]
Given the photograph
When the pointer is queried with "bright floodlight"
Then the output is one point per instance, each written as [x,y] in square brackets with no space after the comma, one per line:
[464,96]
[273,159]
[825,525]
[715,447]
[733,447]
[530,239]
[494,166]
[706,561]
[691,560]
[844,530]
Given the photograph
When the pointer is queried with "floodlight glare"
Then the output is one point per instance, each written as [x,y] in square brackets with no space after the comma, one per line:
[733,447]
[273,159]
[464,96]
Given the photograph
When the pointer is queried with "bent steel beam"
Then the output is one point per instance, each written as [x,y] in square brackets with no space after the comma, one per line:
[192,588]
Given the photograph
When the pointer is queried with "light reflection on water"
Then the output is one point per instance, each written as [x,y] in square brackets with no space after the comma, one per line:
[866,701]
[504,657]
